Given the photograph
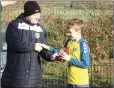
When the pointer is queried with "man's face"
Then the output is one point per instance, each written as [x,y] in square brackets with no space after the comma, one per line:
[34,18]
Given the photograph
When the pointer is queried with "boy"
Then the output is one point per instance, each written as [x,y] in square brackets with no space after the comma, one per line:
[77,55]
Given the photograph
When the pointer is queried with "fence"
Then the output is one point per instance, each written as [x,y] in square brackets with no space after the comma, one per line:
[54,75]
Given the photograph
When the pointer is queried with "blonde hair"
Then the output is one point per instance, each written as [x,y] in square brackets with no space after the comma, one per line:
[77,24]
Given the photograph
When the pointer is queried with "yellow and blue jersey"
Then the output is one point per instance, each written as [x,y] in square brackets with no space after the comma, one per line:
[79,62]
[78,65]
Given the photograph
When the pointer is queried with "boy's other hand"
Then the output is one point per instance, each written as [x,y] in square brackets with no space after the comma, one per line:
[65,56]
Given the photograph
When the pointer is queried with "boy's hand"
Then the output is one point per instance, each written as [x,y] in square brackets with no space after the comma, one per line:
[65,56]
[38,47]
[45,46]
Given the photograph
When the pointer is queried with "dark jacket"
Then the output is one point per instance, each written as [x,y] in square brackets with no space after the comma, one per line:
[23,68]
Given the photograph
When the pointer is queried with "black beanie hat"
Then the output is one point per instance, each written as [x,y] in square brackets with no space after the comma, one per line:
[31,7]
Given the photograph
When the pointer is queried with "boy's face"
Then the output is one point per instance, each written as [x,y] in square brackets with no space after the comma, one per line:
[73,33]
[34,18]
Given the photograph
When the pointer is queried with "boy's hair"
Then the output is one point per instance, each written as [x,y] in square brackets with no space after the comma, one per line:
[77,24]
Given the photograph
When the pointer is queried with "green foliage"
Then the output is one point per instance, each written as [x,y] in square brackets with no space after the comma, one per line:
[99,36]
[92,5]
[98,33]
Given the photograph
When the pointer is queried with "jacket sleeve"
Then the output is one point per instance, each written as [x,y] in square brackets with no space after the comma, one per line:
[46,55]
[85,58]
[14,41]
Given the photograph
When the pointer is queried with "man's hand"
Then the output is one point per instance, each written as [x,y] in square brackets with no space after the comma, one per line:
[38,47]
[45,46]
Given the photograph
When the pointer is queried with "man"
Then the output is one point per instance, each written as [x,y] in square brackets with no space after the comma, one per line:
[23,37]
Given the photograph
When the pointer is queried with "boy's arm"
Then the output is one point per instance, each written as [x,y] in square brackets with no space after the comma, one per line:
[85,58]
[51,49]
[47,53]
[54,53]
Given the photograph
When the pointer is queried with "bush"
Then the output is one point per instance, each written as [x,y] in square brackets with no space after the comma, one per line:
[98,33]
[99,36]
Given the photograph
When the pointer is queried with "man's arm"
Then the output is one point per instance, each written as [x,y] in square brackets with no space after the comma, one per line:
[46,55]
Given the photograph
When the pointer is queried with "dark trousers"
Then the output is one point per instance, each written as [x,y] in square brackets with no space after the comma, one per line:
[78,86]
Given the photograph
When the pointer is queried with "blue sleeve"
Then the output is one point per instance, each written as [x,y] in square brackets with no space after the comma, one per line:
[85,58]
[46,55]
[53,50]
